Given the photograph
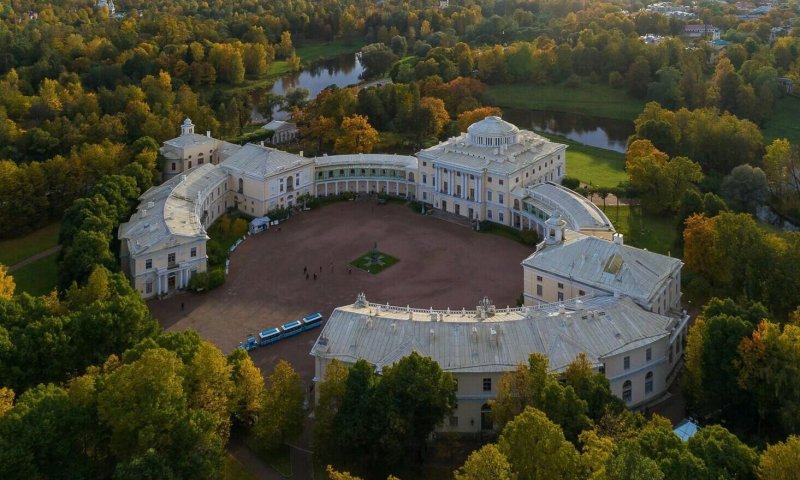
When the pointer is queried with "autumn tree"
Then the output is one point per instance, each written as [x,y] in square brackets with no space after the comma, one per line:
[432,117]
[465,119]
[487,463]
[247,393]
[536,449]
[357,136]
[781,460]
[281,417]
[745,189]
[7,285]
[331,395]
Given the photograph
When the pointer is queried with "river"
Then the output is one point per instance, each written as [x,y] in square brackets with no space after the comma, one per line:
[346,69]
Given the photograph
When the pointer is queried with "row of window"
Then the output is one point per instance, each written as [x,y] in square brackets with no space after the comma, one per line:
[373,171]
[148,264]
[627,387]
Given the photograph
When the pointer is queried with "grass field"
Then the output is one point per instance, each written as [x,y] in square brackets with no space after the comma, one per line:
[315,51]
[657,234]
[785,121]
[364,262]
[17,249]
[234,470]
[39,277]
[589,99]
[592,165]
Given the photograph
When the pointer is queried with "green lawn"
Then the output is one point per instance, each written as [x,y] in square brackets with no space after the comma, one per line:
[234,470]
[657,234]
[589,99]
[17,249]
[39,277]
[316,51]
[785,121]
[592,165]
[364,262]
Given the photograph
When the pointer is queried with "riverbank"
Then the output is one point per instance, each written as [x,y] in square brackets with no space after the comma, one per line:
[596,100]
[591,165]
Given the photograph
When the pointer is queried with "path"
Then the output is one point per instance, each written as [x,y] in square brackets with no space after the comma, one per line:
[43,254]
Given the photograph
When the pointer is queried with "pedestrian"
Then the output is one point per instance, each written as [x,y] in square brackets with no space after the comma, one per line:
[350,270]
[305,269]
[315,276]
[182,306]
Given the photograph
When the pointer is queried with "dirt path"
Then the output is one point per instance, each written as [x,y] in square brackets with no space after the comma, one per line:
[33,258]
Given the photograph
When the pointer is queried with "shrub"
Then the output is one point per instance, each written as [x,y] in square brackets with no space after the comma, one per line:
[573,81]
[615,80]
[571,183]
[529,237]
[205,281]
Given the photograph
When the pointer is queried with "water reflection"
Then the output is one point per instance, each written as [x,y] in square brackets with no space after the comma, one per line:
[342,70]
[598,132]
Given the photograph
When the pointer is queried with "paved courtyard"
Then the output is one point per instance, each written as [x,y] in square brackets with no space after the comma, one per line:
[441,264]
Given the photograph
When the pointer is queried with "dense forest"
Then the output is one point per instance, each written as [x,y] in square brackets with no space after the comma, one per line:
[91,388]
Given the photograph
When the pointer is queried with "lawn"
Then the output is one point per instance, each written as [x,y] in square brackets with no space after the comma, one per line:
[17,249]
[784,121]
[592,165]
[589,99]
[39,277]
[655,233]
[364,262]
[315,51]
[234,470]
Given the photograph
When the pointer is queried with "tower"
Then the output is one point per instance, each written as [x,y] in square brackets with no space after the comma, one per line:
[187,127]
[554,230]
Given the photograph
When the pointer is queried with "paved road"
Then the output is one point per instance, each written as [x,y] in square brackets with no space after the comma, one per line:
[33,258]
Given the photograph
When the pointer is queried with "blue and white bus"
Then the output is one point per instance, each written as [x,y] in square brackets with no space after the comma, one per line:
[312,321]
[292,328]
[270,335]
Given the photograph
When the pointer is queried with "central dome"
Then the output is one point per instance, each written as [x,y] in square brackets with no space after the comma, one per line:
[492,132]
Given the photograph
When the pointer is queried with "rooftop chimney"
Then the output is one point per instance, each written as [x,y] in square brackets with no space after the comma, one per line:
[617,238]
[208,133]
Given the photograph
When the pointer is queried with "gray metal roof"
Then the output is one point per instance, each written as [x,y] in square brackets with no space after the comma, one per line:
[577,210]
[262,162]
[169,212]
[367,159]
[606,265]
[459,152]
[461,342]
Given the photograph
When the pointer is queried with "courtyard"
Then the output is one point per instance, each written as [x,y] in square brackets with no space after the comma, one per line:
[440,264]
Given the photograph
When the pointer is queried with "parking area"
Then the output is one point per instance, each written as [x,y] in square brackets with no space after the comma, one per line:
[441,264]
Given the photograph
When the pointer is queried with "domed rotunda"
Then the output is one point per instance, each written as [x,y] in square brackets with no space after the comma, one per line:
[492,132]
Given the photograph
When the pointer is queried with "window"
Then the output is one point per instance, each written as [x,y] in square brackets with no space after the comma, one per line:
[648,383]
[538,278]
[241,186]
[561,286]
[500,181]
[148,264]
[190,164]
[487,384]
[173,166]
[424,164]
[489,214]
[539,290]
[489,179]
[454,421]
[500,198]
[516,180]
[424,195]
[581,293]
[193,252]
[626,363]
[489,195]
[500,217]
[171,258]
[296,179]
[458,174]
[626,391]
[148,287]
[648,354]
[560,296]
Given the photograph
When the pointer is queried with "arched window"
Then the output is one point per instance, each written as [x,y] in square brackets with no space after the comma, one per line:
[486,417]
[241,186]
[289,183]
[411,177]
[648,383]
[627,391]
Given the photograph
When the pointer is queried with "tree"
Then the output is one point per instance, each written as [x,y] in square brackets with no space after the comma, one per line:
[7,285]
[377,58]
[432,117]
[745,189]
[630,464]
[724,455]
[331,390]
[660,182]
[536,448]
[6,400]
[209,384]
[248,388]
[637,77]
[465,119]
[357,136]
[780,461]
[282,414]
[487,463]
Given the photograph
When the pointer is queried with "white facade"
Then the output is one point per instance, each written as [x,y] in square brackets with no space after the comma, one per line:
[283,132]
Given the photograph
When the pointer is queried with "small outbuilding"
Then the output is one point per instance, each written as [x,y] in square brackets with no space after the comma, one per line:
[258,225]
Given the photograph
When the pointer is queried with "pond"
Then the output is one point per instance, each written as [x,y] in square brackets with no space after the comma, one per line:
[341,70]
[606,133]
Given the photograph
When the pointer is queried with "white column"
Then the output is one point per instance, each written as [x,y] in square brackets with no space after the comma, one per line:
[464,185]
